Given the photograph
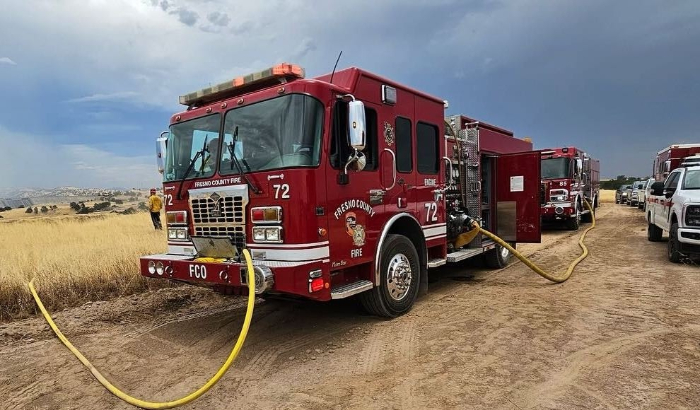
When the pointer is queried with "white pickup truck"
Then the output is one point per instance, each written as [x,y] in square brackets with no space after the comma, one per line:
[674,206]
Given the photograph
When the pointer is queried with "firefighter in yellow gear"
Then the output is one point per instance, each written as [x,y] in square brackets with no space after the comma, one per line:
[155,204]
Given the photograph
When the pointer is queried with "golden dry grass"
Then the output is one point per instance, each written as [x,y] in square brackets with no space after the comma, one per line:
[73,259]
[607,195]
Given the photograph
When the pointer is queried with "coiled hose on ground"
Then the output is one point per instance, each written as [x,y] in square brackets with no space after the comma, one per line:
[537,269]
[174,403]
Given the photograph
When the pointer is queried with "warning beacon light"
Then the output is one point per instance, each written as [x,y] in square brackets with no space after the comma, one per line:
[280,73]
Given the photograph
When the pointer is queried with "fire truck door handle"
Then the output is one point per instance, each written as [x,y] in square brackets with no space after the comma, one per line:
[393,159]
[449,162]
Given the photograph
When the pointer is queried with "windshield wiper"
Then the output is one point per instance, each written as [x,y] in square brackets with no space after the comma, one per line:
[234,160]
[200,153]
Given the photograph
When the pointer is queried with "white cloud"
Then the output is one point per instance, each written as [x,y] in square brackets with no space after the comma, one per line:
[32,162]
[124,95]
[7,60]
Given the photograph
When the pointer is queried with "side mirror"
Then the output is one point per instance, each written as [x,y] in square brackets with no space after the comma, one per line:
[668,192]
[161,150]
[579,165]
[667,166]
[657,188]
[357,129]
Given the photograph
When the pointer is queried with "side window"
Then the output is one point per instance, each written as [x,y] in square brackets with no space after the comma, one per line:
[340,150]
[404,145]
[672,181]
[427,148]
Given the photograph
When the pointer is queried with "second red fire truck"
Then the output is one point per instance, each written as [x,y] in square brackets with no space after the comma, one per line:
[569,176]
[671,158]
[346,184]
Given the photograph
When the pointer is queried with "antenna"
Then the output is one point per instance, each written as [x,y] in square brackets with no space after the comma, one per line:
[336,65]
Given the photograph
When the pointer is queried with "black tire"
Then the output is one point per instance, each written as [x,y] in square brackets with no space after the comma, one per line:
[498,257]
[574,222]
[673,254]
[388,300]
[654,233]
[588,217]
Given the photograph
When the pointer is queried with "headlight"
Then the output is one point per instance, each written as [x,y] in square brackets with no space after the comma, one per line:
[692,215]
[258,234]
[177,233]
[269,234]
[272,234]
[151,267]
[159,268]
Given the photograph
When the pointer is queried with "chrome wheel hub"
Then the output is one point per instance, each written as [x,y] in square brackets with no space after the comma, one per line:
[399,277]
[504,253]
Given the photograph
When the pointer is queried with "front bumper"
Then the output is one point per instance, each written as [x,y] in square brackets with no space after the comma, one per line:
[554,211]
[689,240]
[287,279]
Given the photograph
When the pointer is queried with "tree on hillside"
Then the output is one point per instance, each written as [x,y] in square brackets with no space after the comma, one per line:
[28,211]
[44,209]
[36,210]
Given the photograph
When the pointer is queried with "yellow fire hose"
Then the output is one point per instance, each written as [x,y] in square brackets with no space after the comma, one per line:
[174,403]
[537,269]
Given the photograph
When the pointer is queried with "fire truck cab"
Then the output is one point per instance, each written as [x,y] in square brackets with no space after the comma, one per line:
[345,184]
[569,176]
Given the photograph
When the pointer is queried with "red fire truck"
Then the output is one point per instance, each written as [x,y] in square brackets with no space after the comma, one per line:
[569,175]
[344,184]
[671,158]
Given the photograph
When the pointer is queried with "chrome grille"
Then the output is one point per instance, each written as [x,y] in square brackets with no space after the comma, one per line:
[237,233]
[218,209]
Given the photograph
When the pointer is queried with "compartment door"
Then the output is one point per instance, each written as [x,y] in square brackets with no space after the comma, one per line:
[518,197]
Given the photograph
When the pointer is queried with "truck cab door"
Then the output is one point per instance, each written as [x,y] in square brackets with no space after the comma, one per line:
[517,184]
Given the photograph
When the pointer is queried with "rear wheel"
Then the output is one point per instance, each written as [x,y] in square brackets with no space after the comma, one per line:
[673,254]
[654,233]
[497,257]
[399,272]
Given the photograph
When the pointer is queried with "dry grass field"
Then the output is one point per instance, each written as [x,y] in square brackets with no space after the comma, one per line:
[73,258]
[607,195]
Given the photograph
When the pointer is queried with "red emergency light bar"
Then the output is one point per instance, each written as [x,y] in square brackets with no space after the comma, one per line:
[238,85]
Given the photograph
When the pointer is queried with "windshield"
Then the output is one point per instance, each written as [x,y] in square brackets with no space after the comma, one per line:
[555,168]
[692,179]
[185,142]
[639,185]
[279,133]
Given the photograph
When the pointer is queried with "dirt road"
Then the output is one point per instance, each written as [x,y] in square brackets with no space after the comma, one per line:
[624,332]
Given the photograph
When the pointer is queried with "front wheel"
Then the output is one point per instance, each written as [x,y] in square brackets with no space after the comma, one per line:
[673,254]
[498,257]
[399,271]
[574,222]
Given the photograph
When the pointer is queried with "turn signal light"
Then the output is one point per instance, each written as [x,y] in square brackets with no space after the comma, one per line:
[176,217]
[266,214]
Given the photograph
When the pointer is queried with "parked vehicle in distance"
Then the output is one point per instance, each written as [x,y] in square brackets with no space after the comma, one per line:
[569,177]
[637,196]
[671,158]
[621,194]
[647,192]
[674,206]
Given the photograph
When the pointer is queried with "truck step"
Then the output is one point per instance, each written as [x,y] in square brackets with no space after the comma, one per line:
[345,291]
[434,263]
[463,254]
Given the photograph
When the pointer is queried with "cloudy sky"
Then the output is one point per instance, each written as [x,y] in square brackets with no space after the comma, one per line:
[87,85]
